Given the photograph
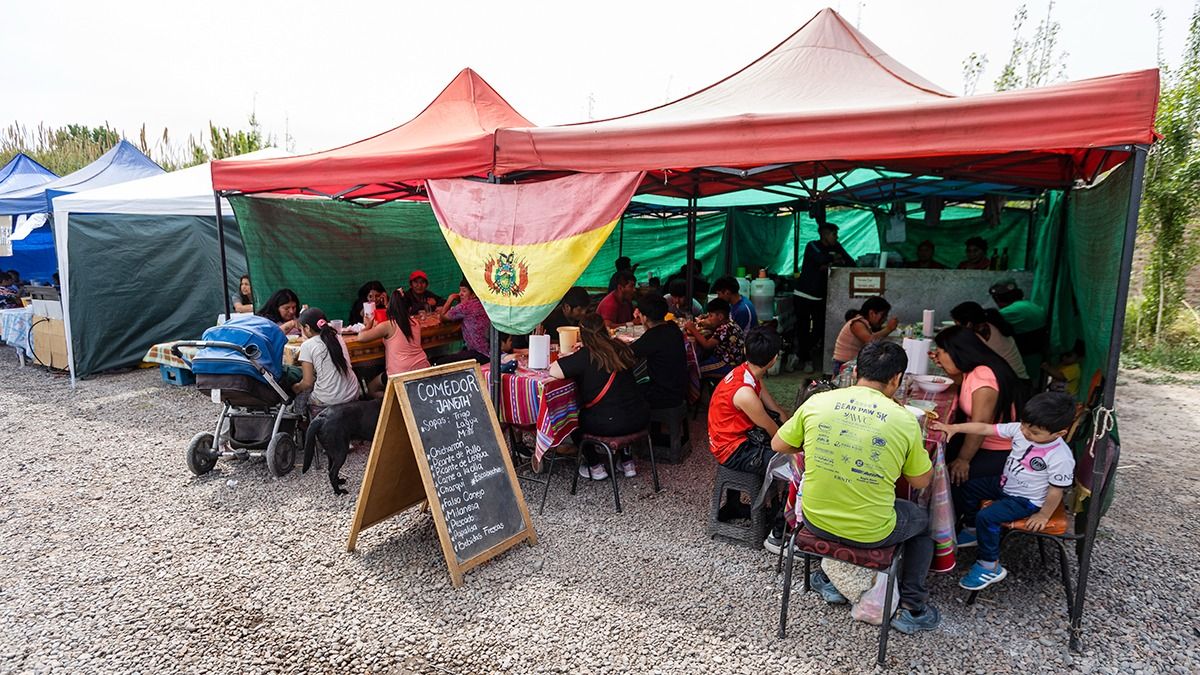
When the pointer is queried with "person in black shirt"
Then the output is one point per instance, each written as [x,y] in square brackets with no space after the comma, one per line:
[662,347]
[811,288]
[570,310]
[611,401]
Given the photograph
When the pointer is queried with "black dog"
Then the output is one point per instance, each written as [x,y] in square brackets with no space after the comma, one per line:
[334,428]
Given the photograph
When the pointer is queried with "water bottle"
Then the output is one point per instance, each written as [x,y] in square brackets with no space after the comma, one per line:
[762,294]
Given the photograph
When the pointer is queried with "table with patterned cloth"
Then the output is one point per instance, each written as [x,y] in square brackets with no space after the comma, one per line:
[14,329]
[531,398]
[433,334]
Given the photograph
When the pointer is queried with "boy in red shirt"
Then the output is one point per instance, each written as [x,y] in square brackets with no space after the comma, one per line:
[742,418]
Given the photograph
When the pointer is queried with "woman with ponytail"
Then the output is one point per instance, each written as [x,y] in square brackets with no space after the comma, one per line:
[612,402]
[401,335]
[325,363]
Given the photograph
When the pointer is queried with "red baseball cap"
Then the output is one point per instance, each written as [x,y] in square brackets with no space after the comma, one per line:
[417,274]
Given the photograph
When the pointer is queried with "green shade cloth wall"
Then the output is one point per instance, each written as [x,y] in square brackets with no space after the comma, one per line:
[1085,303]
[959,223]
[659,247]
[325,250]
[137,280]
[753,238]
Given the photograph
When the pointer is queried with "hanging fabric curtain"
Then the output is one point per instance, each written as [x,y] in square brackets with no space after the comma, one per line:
[522,246]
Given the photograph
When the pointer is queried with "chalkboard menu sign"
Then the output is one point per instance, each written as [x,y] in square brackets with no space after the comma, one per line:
[438,440]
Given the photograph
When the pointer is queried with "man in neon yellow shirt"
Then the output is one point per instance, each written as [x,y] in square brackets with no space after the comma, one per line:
[857,442]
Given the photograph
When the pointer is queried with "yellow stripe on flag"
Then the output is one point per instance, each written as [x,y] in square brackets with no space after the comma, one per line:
[526,275]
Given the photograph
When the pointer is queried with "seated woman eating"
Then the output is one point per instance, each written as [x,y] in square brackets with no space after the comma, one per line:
[613,404]
[865,327]
[325,363]
[725,348]
[989,393]
[401,335]
[282,308]
[373,292]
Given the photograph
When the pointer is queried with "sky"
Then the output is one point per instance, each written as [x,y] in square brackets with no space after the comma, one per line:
[326,74]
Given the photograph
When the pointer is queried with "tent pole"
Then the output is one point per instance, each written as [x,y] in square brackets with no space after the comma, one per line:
[1110,390]
[494,345]
[224,264]
[691,246]
[795,241]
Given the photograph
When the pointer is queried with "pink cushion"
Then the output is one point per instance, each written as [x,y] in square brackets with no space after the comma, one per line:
[617,442]
[874,558]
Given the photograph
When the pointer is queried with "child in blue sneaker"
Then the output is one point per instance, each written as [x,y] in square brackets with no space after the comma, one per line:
[1039,468]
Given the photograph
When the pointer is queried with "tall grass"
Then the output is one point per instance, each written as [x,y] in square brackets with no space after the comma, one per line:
[74,146]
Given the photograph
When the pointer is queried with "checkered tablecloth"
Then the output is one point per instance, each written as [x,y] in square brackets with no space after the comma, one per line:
[14,328]
[531,398]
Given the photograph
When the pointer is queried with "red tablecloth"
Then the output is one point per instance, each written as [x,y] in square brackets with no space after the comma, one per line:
[531,398]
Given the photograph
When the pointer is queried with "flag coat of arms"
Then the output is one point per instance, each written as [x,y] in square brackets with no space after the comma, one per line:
[522,246]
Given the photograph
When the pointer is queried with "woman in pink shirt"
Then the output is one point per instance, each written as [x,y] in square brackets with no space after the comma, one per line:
[989,392]
[401,335]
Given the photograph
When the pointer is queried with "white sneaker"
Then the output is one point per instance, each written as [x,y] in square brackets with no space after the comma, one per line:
[629,468]
[792,362]
[597,472]
[808,366]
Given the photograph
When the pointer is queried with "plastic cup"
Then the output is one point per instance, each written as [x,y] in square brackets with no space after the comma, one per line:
[337,325]
[368,309]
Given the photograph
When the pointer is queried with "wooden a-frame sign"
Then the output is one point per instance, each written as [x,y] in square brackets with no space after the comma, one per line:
[431,445]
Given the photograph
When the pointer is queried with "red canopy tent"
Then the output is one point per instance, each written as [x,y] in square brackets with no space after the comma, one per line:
[823,101]
[826,99]
[450,138]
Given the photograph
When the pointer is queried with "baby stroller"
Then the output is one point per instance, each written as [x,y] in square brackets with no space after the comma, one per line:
[241,363]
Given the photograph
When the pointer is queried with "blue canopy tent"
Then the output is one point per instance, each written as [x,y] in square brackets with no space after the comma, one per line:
[33,252]
[37,252]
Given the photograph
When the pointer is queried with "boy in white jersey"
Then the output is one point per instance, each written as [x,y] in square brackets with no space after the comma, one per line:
[1039,468]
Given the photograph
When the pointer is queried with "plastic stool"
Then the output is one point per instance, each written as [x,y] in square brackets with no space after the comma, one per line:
[675,419]
[751,535]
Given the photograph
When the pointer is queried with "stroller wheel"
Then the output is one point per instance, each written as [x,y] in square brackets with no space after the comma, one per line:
[281,454]
[201,456]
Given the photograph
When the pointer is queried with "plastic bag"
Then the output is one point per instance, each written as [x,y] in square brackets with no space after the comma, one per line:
[869,607]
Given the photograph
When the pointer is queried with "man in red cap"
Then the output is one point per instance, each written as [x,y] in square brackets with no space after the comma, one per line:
[418,294]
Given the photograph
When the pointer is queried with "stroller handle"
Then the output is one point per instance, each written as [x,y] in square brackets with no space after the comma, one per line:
[251,353]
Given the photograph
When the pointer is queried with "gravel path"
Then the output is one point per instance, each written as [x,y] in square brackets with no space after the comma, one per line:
[113,558]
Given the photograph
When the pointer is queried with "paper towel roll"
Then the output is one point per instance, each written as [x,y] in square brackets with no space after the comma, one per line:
[567,337]
[539,352]
[927,323]
[918,355]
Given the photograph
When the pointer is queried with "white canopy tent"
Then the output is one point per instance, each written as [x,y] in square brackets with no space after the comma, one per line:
[141,242]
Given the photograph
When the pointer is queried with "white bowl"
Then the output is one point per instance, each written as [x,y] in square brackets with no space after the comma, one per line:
[934,384]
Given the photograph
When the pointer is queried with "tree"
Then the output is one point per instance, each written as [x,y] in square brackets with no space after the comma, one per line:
[1172,192]
[1036,61]
[973,67]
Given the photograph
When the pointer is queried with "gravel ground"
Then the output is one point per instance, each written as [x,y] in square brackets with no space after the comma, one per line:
[113,558]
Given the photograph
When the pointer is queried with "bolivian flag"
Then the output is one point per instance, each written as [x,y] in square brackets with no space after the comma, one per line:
[522,246]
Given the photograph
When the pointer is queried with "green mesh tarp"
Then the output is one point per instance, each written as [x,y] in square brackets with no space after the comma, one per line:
[141,279]
[1093,242]
[957,224]
[752,239]
[324,250]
